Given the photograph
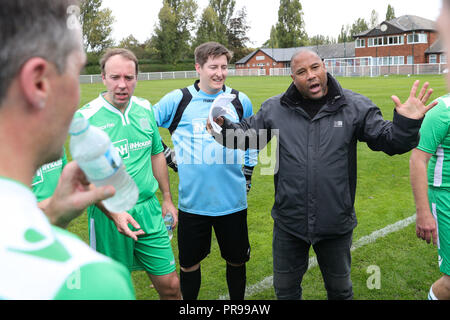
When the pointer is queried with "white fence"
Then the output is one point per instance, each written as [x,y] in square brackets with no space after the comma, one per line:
[96,78]
[338,70]
[374,71]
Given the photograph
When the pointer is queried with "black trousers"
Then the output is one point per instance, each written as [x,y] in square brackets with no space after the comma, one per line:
[290,262]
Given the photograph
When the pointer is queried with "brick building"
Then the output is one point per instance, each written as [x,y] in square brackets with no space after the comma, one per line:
[404,40]
[267,58]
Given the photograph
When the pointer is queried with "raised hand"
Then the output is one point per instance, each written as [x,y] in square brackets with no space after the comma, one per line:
[73,194]
[414,107]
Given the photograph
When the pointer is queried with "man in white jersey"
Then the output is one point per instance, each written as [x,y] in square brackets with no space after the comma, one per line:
[432,190]
[41,58]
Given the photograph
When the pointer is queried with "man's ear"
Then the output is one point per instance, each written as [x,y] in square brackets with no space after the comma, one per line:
[197,67]
[34,81]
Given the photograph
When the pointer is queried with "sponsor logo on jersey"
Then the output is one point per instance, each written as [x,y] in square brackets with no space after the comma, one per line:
[145,125]
[38,177]
[52,165]
[140,145]
[198,125]
[107,126]
[123,148]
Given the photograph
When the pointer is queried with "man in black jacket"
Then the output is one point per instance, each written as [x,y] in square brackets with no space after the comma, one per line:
[318,124]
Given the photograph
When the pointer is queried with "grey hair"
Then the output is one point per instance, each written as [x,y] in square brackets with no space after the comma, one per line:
[38,28]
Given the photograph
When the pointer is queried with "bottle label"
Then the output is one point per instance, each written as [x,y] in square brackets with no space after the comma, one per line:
[104,166]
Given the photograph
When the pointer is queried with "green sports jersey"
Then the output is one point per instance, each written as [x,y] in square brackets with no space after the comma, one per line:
[440,207]
[134,133]
[43,262]
[46,178]
[435,139]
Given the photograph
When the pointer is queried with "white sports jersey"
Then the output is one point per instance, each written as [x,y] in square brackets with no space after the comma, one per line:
[40,261]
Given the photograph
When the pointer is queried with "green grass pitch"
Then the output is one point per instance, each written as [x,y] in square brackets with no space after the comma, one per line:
[407,266]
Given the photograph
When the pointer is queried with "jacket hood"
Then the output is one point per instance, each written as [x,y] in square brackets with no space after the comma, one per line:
[292,97]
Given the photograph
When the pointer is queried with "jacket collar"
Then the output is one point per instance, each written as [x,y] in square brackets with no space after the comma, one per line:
[293,98]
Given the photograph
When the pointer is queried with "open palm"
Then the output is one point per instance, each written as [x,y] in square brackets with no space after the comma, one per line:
[414,107]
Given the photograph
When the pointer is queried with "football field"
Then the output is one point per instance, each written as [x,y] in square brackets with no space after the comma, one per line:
[388,261]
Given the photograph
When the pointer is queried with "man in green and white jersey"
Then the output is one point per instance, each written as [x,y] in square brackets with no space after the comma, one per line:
[130,123]
[39,93]
[63,267]
[432,190]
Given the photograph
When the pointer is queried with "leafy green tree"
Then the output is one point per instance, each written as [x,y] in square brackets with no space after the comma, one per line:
[373,19]
[290,27]
[344,36]
[273,41]
[320,39]
[166,34]
[220,23]
[390,13]
[237,34]
[172,35]
[358,26]
[96,25]
[217,23]
[210,28]
[224,10]
[131,43]
[185,13]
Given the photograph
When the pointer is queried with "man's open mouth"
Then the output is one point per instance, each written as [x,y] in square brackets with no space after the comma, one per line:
[314,87]
[122,95]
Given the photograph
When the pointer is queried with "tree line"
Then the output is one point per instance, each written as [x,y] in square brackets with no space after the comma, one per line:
[178,30]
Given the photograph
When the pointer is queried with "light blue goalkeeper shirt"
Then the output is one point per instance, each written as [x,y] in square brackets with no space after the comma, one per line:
[211,178]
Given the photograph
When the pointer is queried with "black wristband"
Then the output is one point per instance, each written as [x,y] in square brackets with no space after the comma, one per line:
[248,171]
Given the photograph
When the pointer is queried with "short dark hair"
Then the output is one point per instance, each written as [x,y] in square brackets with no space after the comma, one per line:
[128,54]
[211,49]
[38,28]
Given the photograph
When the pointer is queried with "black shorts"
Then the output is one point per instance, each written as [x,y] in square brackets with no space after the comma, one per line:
[194,237]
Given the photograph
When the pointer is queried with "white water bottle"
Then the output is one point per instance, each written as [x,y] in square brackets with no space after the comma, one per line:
[102,164]
[168,221]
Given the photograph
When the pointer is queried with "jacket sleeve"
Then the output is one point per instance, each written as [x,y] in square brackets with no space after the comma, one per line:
[251,133]
[392,137]
[251,155]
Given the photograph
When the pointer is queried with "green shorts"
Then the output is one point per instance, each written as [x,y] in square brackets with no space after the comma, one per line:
[440,207]
[153,250]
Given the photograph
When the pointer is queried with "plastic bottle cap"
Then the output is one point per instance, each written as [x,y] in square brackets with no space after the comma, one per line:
[78,126]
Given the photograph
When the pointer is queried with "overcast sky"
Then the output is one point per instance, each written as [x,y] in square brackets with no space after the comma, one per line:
[139,17]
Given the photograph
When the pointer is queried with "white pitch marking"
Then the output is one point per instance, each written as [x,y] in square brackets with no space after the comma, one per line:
[267,282]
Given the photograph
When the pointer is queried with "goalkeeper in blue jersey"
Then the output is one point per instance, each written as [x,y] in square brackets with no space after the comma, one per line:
[214,181]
